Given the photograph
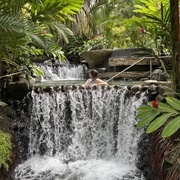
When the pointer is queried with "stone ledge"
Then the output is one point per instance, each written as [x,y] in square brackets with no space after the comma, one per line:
[133,74]
[127,61]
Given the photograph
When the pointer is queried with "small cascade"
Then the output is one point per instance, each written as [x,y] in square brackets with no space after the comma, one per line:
[82,135]
[55,71]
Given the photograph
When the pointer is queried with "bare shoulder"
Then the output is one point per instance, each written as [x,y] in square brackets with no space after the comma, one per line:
[99,80]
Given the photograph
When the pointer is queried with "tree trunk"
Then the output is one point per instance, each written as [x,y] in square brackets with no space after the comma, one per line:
[174,9]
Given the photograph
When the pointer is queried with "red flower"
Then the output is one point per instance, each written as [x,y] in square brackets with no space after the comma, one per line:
[142,30]
[155,104]
[41,32]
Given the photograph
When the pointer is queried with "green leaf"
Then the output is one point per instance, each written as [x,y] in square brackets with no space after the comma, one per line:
[144,108]
[171,127]
[175,103]
[148,119]
[158,122]
[145,113]
[37,70]
[166,108]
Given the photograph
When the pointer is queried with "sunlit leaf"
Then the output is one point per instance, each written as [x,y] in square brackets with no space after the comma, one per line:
[158,122]
[145,108]
[171,127]
[166,108]
[143,114]
[175,103]
[148,119]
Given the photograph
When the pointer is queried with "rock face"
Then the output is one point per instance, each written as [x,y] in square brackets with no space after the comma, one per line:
[136,75]
[6,118]
[17,90]
[127,61]
[97,57]
[159,75]
[138,52]
[145,158]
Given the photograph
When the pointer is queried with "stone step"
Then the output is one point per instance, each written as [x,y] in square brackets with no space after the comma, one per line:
[127,61]
[132,74]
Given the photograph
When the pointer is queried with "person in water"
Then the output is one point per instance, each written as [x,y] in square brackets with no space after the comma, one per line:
[94,80]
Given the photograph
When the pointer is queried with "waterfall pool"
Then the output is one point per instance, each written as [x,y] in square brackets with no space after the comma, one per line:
[76,82]
[80,135]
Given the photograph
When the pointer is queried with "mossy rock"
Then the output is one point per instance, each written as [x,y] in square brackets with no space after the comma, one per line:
[96,57]
[17,90]
[9,151]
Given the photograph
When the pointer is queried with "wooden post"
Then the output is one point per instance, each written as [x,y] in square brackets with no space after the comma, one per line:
[174,10]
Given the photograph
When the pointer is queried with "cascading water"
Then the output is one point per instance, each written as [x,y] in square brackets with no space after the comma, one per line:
[82,135]
[60,71]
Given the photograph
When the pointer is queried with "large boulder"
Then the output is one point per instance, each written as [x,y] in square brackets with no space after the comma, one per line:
[95,58]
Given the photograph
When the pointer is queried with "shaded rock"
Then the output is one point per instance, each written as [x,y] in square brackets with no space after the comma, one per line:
[153,89]
[138,94]
[144,88]
[125,75]
[96,57]
[143,79]
[17,90]
[160,98]
[136,88]
[6,127]
[158,74]
[137,52]
[127,61]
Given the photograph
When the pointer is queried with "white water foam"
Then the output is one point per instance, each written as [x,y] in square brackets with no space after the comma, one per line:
[61,71]
[87,135]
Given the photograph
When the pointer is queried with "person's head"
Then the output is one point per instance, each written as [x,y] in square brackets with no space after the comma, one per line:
[93,74]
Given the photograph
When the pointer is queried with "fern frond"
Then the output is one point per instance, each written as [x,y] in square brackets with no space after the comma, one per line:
[11,24]
[38,41]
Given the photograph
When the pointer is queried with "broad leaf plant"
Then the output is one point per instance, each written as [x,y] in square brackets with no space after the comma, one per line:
[158,114]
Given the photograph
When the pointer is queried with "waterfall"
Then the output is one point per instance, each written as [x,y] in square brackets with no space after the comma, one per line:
[60,71]
[82,135]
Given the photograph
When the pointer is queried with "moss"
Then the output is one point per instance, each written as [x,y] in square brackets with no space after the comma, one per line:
[8,111]
[5,149]
[9,151]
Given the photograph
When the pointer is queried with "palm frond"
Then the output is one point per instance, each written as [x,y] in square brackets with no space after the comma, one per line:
[9,62]
[11,24]
[62,30]
[38,41]
[59,8]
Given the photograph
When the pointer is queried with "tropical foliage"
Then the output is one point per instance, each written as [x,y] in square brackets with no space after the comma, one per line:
[33,28]
[77,46]
[150,26]
[103,18]
[5,149]
[157,116]
[125,24]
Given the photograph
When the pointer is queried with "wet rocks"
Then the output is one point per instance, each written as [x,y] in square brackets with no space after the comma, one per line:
[145,158]
[136,88]
[17,90]
[6,114]
[159,75]
[96,57]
